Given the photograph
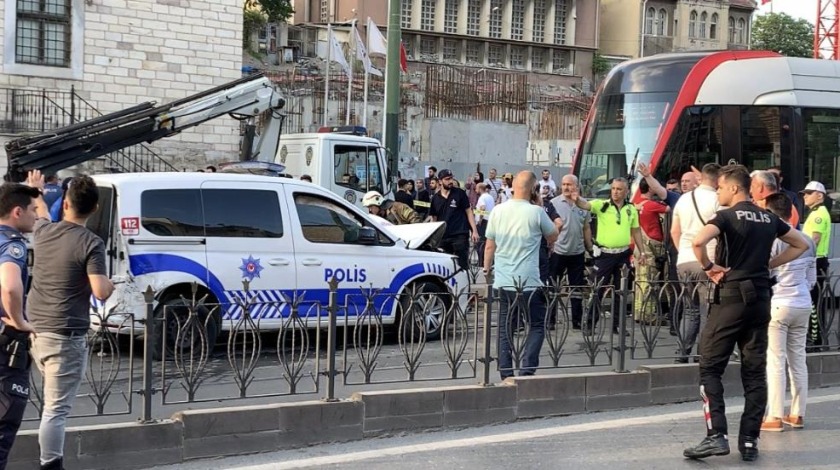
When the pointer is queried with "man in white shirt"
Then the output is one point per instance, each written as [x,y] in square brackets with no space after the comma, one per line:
[483,208]
[494,185]
[693,210]
[548,181]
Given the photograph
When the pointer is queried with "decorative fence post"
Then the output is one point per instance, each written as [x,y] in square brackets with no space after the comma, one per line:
[148,355]
[332,312]
[623,296]
[486,359]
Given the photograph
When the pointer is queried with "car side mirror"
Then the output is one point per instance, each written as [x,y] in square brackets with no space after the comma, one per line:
[368,236]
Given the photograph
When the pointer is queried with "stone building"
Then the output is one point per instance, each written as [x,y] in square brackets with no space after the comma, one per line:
[82,57]
[640,28]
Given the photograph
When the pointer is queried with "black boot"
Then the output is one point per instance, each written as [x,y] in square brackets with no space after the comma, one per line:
[57,464]
[748,447]
[716,444]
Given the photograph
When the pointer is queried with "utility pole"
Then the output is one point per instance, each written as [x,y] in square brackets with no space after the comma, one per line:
[392,87]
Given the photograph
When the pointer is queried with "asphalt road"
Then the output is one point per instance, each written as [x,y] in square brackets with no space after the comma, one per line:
[116,377]
[644,438]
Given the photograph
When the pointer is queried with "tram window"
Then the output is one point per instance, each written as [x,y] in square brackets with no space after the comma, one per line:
[760,137]
[822,153]
[695,141]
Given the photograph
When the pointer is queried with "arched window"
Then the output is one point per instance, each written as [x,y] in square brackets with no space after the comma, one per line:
[692,25]
[713,27]
[703,18]
[731,29]
[742,27]
[649,16]
[662,23]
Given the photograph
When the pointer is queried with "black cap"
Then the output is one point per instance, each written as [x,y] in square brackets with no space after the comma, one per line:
[444,174]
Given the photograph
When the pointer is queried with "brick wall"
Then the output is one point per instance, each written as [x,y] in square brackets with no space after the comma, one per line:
[159,50]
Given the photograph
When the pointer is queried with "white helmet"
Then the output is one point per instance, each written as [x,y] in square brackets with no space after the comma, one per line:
[372,198]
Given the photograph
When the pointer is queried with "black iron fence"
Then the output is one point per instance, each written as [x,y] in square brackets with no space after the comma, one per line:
[33,111]
[197,351]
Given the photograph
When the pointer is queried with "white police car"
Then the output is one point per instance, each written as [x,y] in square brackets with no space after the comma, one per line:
[169,230]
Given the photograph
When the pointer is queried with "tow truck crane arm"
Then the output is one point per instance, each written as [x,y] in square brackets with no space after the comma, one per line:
[245,98]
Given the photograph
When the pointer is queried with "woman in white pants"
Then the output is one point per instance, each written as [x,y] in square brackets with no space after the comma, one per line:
[790,311]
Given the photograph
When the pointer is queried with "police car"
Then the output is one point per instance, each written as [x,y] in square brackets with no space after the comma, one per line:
[170,230]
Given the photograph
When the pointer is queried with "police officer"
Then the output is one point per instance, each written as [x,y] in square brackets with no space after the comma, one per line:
[740,310]
[17,216]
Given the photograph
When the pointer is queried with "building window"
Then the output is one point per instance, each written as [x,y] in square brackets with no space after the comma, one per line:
[538,59]
[450,19]
[325,11]
[562,62]
[713,26]
[496,55]
[450,50]
[405,15]
[560,22]
[692,25]
[496,19]
[43,32]
[428,48]
[473,17]
[741,30]
[662,23]
[517,21]
[731,29]
[703,19]
[427,15]
[517,57]
[539,21]
[650,15]
[473,52]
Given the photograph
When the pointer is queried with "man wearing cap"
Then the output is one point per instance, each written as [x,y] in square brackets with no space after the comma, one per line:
[818,227]
[617,223]
[451,205]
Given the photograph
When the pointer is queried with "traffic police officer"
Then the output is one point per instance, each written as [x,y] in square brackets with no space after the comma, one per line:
[17,216]
[617,222]
[740,310]
[818,227]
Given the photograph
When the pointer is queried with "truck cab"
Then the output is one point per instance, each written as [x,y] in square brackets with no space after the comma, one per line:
[341,159]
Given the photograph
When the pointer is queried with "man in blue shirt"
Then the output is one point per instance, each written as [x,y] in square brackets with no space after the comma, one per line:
[514,232]
[52,190]
[56,211]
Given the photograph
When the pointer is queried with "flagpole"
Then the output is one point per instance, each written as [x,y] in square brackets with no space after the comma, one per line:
[350,76]
[367,74]
[327,86]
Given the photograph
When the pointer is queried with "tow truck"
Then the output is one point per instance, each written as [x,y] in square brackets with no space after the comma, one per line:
[339,159]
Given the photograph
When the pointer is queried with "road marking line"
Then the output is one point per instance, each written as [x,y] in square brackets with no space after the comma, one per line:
[497,438]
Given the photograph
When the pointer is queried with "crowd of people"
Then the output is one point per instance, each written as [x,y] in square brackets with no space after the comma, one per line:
[753,254]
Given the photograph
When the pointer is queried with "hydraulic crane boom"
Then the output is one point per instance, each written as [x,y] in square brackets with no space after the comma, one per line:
[245,98]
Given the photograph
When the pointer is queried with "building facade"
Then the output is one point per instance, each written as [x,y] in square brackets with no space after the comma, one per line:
[558,37]
[118,53]
[639,28]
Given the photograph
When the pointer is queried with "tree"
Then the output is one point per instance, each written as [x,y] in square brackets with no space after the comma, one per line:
[252,21]
[275,10]
[600,65]
[782,33]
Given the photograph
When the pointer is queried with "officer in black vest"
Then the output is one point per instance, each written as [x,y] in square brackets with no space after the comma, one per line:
[17,216]
[740,309]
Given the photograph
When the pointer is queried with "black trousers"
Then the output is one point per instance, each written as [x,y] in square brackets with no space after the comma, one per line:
[14,395]
[816,335]
[573,266]
[458,245]
[608,273]
[482,242]
[732,322]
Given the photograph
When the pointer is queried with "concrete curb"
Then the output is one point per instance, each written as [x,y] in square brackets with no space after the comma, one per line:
[250,429]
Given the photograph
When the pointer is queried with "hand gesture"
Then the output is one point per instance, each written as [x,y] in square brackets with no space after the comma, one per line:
[575,195]
[697,173]
[643,169]
[716,273]
[35,179]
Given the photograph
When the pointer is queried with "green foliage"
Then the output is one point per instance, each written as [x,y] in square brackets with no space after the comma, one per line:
[782,33]
[600,65]
[252,21]
[275,10]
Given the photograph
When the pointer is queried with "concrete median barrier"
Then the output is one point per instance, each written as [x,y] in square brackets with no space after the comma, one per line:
[248,429]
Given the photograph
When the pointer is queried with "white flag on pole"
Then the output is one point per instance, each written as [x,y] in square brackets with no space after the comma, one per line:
[362,54]
[338,53]
[376,41]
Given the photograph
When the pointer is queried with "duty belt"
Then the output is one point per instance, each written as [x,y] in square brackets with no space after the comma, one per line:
[614,251]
